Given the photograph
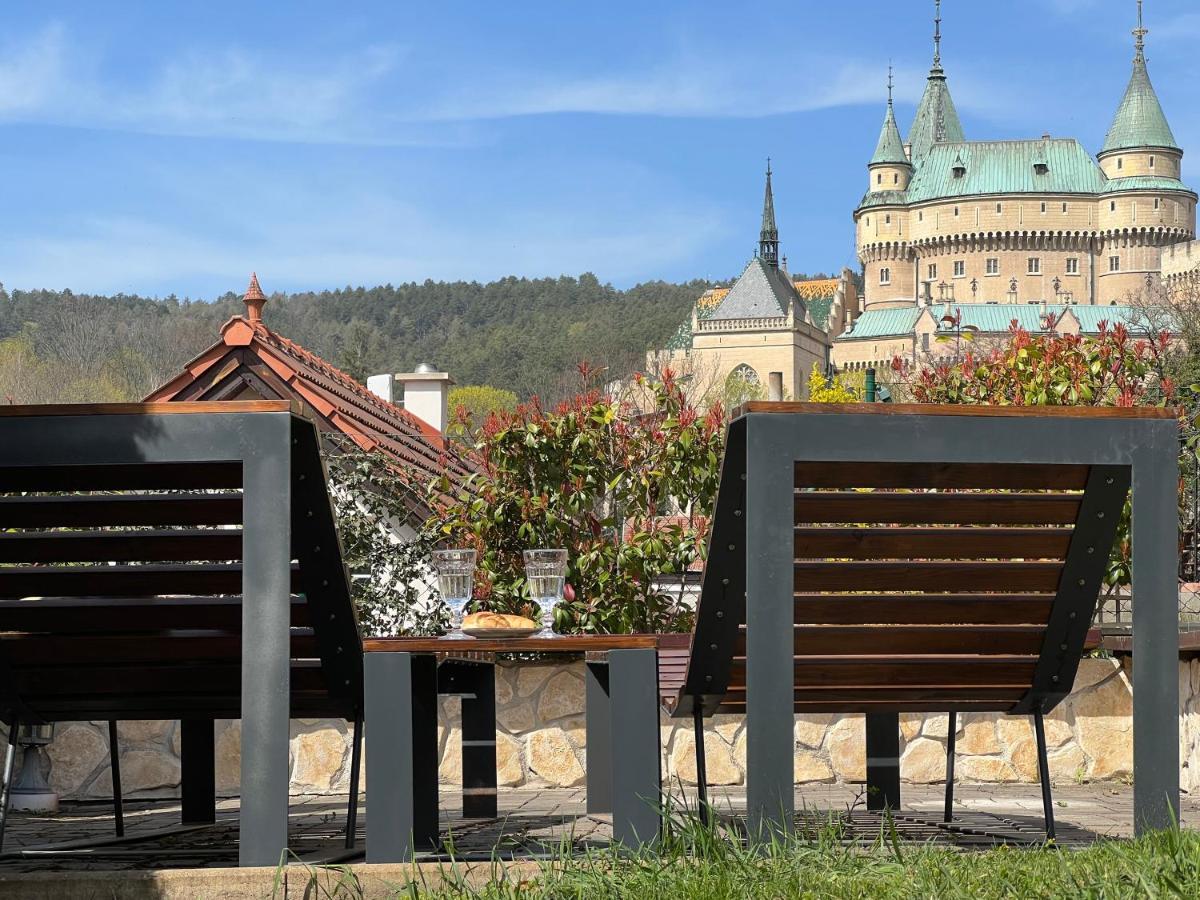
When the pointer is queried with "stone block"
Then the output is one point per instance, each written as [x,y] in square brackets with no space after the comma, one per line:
[810,729]
[516,717]
[561,697]
[1067,763]
[229,758]
[148,771]
[450,766]
[530,678]
[936,726]
[719,762]
[140,734]
[808,768]
[552,758]
[319,758]
[910,725]
[75,753]
[978,737]
[847,746]
[727,726]
[1022,756]
[1013,729]
[923,762]
[510,762]
[987,769]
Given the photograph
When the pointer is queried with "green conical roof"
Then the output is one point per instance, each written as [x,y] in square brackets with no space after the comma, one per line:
[936,121]
[890,148]
[1139,121]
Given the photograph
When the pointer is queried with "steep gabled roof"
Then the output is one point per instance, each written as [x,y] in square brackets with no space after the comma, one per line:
[250,360]
[761,292]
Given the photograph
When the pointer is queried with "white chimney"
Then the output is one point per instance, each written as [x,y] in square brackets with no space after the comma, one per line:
[382,386]
[425,393]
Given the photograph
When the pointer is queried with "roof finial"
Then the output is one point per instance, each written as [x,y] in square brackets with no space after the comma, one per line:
[889,82]
[768,237]
[1139,37]
[254,299]
[937,34]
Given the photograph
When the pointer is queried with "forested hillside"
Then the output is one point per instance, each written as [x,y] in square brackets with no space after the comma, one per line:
[526,335]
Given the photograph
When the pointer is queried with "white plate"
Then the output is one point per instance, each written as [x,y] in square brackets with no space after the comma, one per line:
[485,633]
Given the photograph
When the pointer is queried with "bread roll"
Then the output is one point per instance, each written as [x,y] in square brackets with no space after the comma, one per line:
[497,620]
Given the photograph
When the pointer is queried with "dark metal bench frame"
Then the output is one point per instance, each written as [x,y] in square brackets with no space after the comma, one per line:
[286,514]
[750,573]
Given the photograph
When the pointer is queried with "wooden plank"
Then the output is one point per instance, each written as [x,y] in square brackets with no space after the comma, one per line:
[21,650]
[124,615]
[846,707]
[124,580]
[34,684]
[120,546]
[923,609]
[963,575]
[155,409]
[942,509]
[573,643]
[938,409]
[67,708]
[1028,476]
[951,671]
[119,510]
[191,476]
[932,543]
[857,640]
[1010,693]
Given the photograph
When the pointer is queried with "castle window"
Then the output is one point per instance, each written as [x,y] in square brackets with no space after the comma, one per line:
[999,208]
[879,178]
[1120,163]
[1064,207]
[1157,203]
[885,275]
[1112,205]
[956,212]
[959,171]
[1040,168]
[925,342]
[1073,266]
[895,178]
[960,268]
[887,220]
[932,270]
[1152,162]
[1114,264]
[993,265]
[1034,265]
[920,216]
[1043,207]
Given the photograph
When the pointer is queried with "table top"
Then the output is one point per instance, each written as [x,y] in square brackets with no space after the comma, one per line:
[570,643]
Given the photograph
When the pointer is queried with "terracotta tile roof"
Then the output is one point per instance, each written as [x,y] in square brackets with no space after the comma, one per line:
[250,359]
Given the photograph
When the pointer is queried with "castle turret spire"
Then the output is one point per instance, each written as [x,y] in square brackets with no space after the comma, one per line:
[1140,121]
[890,147]
[768,237]
[936,120]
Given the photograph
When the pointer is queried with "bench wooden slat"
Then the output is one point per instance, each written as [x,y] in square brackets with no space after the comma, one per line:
[892,692]
[34,684]
[836,640]
[130,615]
[941,509]
[37,650]
[1030,476]
[846,707]
[927,576]
[932,543]
[120,546]
[951,671]
[85,581]
[923,609]
[189,476]
[120,510]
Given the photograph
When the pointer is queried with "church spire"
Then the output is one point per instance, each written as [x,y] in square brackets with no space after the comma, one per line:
[936,120]
[890,148]
[1140,121]
[768,237]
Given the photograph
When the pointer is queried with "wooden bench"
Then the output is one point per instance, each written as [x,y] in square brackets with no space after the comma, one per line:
[879,560]
[177,561]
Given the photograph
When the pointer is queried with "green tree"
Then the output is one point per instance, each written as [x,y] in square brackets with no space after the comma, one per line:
[471,404]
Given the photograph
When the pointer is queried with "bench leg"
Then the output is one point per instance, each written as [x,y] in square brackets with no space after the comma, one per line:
[883,760]
[402,755]
[950,735]
[355,770]
[1039,731]
[599,739]
[10,756]
[701,764]
[637,760]
[478,741]
[114,760]
[198,781]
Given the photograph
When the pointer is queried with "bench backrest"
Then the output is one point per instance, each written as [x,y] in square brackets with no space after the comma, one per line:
[121,586]
[917,586]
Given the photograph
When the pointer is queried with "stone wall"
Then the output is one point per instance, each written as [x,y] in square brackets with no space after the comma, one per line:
[541,741]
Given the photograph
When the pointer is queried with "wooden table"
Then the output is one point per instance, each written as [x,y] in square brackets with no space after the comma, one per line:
[403,678]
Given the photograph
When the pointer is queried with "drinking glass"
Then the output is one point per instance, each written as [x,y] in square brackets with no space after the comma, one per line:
[456,574]
[545,571]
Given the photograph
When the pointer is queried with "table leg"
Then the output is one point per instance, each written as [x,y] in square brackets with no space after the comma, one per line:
[475,682]
[883,760]
[636,756]
[599,739]
[402,755]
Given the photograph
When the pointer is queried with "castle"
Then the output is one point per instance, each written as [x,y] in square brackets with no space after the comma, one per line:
[964,235]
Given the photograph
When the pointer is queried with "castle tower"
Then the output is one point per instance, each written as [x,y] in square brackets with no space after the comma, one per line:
[889,167]
[936,120]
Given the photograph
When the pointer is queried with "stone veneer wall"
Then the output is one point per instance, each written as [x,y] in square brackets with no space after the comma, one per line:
[540,741]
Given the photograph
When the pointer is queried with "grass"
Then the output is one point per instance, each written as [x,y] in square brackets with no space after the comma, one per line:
[701,863]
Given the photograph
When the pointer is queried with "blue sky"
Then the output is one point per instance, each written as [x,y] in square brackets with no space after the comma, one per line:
[171,147]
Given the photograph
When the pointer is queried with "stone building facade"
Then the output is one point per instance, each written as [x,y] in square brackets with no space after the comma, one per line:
[947,220]
[767,325]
